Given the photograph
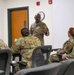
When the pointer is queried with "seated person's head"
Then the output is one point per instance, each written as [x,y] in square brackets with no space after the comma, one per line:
[71,32]
[25,31]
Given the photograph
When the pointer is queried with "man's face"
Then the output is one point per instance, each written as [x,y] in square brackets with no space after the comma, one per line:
[37,18]
[26,32]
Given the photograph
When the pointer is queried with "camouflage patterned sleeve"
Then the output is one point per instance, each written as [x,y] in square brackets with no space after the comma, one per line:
[71,55]
[3,45]
[66,47]
[61,51]
[16,47]
[46,30]
[38,42]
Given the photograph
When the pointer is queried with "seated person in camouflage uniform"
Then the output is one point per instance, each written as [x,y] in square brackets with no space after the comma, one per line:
[68,49]
[3,45]
[25,46]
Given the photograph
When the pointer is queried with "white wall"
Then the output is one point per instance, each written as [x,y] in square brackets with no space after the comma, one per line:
[63,18]
[1,17]
[33,9]
[59,17]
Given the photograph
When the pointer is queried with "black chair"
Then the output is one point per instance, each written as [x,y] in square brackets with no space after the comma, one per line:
[5,59]
[67,68]
[18,63]
[50,69]
[42,58]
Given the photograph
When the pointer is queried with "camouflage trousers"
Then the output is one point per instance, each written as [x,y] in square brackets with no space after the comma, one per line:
[29,63]
[55,58]
[18,67]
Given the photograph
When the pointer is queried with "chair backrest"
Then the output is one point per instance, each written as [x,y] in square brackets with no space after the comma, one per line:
[67,68]
[40,55]
[49,69]
[5,58]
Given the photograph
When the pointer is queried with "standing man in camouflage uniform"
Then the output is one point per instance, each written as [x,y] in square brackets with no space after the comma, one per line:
[39,29]
[68,49]
[25,45]
[3,45]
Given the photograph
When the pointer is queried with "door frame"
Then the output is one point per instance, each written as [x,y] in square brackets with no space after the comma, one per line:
[10,24]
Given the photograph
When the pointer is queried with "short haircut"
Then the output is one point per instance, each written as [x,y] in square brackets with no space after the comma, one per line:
[38,15]
[71,31]
[25,31]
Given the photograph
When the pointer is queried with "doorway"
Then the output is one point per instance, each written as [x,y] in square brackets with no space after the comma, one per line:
[17,19]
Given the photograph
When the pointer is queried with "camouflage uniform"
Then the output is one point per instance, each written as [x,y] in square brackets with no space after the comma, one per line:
[3,45]
[68,48]
[27,45]
[39,30]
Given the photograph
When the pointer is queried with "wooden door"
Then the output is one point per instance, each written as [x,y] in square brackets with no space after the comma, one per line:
[19,19]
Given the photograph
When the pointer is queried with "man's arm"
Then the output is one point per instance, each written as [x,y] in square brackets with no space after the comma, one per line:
[16,47]
[46,30]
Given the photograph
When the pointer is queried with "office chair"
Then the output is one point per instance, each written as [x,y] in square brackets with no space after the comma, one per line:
[49,69]
[14,63]
[67,68]
[5,59]
[39,59]
[19,62]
